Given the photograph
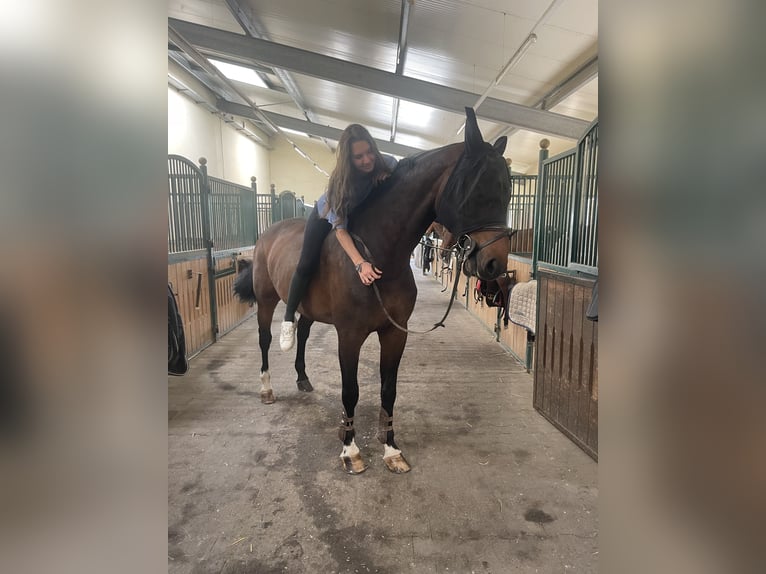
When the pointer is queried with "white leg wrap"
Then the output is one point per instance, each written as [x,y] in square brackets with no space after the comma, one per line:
[265,381]
[350,450]
[389,451]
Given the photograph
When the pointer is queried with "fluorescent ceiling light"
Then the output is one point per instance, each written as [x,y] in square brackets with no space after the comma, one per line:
[239,73]
[296,132]
[300,152]
[412,114]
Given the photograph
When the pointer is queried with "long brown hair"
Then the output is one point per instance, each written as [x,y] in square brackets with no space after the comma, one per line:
[340,190]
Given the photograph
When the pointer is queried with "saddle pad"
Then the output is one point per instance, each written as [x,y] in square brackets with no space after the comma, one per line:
[522,307]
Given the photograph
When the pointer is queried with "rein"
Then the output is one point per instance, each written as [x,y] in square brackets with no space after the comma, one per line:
[465,247]
[460,258]
[442,249]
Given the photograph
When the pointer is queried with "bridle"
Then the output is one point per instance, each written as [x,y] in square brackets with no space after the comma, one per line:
[465,247]
[470,248]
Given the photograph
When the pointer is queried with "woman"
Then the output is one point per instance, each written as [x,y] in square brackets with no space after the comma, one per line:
[360,167]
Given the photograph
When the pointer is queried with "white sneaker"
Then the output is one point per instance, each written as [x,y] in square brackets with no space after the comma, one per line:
[287,336]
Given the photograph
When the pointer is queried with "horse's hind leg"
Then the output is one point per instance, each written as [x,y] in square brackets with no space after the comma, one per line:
[303,329]
[392,342]
[265,314]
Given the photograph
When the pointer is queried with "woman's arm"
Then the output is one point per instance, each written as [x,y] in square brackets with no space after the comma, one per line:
[366,270]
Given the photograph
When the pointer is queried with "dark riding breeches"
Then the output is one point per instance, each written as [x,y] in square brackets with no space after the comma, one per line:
[313,238]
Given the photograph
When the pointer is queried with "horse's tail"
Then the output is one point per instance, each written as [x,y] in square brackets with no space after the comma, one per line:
[243,284]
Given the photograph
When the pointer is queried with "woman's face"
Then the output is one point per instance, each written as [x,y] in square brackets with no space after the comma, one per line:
[362,156]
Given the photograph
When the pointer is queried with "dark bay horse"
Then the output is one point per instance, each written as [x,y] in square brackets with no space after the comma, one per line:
[466,187]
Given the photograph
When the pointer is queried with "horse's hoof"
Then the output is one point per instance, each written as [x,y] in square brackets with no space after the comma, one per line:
[267,397]
[353,464]
[352,459]
[396,463]
[305,386]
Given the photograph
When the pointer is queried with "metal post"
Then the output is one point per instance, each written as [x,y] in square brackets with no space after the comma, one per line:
[274,218]
[530,350]
[539,199]
[208,242]
[254,187]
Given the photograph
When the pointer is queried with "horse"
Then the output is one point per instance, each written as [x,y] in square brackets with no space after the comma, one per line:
[464,186]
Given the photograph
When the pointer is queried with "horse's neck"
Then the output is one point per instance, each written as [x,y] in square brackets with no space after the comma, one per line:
[394,221]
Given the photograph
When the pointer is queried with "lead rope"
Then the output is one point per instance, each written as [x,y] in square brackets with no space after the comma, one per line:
[460,254]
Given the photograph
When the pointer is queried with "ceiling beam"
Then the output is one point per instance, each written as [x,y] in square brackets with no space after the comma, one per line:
[366,78]
[256,29]
[311,128]
[401,58]
[565,88]
[189,85]
[578,79]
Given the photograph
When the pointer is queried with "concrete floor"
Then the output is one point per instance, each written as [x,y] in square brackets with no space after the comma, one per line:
[258,489]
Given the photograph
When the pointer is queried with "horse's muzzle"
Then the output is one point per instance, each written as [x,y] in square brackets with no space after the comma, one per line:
[486,259]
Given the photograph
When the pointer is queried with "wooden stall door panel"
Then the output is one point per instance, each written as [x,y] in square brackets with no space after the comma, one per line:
[550,347]
[558,350]
[576,390]
[587,429]
[565,378]
[541,355]
[589,335]
[196,318]
[567,360]
[553,340]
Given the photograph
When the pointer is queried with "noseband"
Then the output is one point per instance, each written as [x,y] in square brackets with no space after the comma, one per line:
[468,246]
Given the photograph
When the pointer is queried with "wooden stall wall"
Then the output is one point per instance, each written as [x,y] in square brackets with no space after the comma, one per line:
[212,223]
[189,281]
[565,263]
[513,337]
[231,311]
[566,366]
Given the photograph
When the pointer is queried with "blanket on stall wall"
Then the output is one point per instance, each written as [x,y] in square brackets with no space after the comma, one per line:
[522,307]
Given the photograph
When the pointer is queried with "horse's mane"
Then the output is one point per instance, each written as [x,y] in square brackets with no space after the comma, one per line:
[405,166]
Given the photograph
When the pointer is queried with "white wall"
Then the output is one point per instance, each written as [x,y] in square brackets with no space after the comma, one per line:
[289,171]
[193,132]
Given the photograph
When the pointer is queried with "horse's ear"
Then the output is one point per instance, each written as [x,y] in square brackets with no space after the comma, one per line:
[473,139]
[499,145]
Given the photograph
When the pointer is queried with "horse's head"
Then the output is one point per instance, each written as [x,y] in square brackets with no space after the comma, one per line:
[474,203]
[485,252]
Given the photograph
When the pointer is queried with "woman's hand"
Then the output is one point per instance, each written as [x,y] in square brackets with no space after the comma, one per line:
[382,176]
[366,270]
[368,273]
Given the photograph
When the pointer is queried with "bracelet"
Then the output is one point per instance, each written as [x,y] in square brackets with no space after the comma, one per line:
[359,267]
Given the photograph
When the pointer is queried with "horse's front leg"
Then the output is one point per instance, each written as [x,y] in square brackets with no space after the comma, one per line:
[348,353]
[304,327]
[392,342]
